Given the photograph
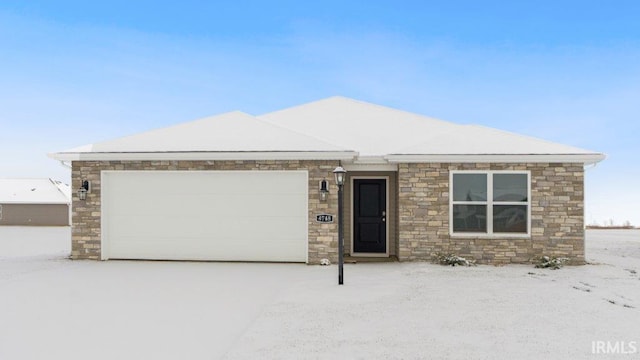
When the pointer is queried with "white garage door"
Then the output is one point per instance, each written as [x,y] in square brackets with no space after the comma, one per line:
[205,215]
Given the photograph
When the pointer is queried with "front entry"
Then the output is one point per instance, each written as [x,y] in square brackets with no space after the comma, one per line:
[370,216]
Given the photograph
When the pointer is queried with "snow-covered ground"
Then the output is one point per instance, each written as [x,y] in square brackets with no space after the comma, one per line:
[54,308]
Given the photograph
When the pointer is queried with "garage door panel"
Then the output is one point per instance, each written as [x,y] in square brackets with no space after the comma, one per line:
[209,215]
[218,205]
[230,205]
[205,227]
[250,183]
[237,251]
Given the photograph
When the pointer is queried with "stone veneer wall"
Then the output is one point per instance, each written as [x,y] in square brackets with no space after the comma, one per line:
[86,216]
[557,215]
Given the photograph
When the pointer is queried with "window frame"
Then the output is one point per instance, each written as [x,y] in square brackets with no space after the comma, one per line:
[489,203]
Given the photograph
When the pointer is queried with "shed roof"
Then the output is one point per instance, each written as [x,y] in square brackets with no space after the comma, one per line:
[334,128]
[34,191]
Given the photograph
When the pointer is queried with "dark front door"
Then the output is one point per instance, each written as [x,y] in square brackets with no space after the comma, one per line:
[370,216]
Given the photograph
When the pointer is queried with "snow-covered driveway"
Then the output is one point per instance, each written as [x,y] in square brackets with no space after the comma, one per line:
[53,308]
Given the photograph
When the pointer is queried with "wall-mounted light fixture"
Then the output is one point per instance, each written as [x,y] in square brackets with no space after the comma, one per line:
[84,189]
[324,190]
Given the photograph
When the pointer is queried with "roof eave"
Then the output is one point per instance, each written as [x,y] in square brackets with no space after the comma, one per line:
[205,155]
[586,159]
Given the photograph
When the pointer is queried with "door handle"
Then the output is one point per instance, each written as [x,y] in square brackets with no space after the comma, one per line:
[384,216]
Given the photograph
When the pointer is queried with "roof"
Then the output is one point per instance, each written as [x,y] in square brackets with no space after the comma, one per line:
[334,128]
[233,131]
[233,134]
[373,130]
[34,191]
[477,143]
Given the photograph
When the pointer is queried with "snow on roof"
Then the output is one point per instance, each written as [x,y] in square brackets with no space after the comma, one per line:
[372,130]
[480,140]
[34,191]
[378,131]
[229,132]
[338,128]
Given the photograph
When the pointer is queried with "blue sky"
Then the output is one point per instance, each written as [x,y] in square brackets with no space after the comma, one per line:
[77,72]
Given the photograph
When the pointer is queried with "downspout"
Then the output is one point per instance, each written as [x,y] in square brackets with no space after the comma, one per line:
[584,209]
[590,166]
[68,166]
[65,164]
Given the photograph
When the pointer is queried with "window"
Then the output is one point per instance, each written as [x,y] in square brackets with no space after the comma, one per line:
[493,202]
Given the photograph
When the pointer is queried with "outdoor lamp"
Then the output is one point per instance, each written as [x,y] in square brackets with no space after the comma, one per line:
[84,189]
[339,173]
[324,190]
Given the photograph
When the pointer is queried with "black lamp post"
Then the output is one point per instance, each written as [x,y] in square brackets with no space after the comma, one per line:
[340,175]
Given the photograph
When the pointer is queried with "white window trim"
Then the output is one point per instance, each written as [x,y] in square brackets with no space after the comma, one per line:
[489,203]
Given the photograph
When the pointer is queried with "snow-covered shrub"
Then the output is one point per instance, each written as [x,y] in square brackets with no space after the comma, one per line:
[453,260]
[553,263]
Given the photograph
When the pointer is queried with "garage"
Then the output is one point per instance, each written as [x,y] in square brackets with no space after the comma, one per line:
[205,215]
